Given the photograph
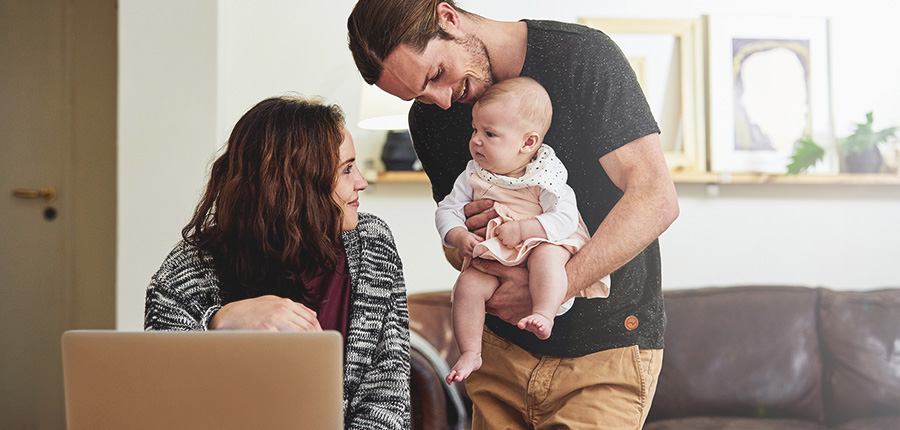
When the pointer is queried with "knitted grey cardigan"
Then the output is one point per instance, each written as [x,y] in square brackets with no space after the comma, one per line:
[184,294]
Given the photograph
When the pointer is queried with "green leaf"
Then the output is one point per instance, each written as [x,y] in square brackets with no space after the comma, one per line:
[806,154]
[883,135]
[865,138]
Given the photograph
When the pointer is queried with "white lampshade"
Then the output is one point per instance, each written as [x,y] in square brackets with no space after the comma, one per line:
[379,110]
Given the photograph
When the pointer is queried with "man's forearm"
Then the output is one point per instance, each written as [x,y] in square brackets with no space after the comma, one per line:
[635,222]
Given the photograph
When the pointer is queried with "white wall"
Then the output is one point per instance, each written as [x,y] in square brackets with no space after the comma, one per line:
[865,75]
[189,70]
[166,134]
[843,237]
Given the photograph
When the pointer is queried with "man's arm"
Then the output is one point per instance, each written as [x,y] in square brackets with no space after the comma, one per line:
[647,208]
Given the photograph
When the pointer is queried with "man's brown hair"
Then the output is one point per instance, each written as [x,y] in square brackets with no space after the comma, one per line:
[376,27]
[268,217]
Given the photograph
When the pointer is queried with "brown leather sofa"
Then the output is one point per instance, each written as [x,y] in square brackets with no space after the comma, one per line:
[744,357]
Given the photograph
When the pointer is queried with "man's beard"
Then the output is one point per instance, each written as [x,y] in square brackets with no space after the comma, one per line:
[481,61]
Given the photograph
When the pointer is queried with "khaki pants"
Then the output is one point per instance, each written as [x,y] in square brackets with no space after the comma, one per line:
[515,389]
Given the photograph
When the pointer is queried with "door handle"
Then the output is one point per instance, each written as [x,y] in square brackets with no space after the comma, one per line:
[48,194]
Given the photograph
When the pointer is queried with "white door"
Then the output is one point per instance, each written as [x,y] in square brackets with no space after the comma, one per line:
[55,115]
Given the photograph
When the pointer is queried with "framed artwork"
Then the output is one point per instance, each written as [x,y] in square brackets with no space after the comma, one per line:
[768,88]
[667,57]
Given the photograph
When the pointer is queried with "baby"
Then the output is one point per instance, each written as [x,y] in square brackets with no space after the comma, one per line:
[538,223]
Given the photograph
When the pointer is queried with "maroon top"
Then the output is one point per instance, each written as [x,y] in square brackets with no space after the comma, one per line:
[333,290]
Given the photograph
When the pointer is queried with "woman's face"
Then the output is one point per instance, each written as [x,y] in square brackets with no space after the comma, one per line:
[348,184]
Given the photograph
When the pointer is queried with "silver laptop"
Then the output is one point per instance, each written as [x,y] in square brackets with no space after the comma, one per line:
[202,380]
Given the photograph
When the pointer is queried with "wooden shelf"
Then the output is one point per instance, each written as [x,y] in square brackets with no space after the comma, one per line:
[713,178]
[776,178]
[402,176]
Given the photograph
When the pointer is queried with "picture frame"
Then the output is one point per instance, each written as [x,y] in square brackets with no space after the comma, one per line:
[768,88]
[667,56]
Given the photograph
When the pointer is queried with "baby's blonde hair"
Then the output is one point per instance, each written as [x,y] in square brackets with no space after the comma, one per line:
[527,96]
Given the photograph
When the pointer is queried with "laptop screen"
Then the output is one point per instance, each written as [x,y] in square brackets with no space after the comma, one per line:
[202,380]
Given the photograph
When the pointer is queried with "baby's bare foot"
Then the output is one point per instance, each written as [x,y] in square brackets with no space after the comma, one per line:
[468,362]
[538,324]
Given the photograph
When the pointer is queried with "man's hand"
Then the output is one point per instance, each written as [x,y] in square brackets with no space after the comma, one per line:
[269,313]
[512,299]
[509,233]
[478,213]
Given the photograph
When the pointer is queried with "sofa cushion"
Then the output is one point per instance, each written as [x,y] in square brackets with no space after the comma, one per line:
[861,331]
[732,423]
[741,351]
[876,423]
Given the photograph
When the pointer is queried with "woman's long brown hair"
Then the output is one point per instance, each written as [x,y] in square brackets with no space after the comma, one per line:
[268,217]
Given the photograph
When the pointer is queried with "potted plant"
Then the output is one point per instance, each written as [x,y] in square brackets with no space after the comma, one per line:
[860,150]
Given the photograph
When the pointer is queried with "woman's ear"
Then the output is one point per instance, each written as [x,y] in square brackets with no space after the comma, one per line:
[532,142]
[448,18]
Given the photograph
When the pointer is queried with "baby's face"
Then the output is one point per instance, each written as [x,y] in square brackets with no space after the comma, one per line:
[497,139]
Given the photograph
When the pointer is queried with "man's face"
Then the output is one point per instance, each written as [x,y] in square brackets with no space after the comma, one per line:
[446,72]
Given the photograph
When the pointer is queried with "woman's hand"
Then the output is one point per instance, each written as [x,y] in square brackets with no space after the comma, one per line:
[269,313]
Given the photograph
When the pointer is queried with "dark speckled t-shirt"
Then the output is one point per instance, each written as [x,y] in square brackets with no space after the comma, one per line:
[598,106]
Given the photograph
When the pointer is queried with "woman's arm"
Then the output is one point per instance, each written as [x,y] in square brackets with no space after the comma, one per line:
[267,313]
[383,401]
[184,294]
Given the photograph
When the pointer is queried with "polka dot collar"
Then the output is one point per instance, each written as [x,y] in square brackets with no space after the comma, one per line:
[545,171]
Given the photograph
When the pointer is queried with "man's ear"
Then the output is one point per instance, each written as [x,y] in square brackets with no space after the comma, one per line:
[532,142]
[448,18]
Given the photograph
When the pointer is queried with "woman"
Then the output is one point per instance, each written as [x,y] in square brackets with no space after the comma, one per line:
[276,243]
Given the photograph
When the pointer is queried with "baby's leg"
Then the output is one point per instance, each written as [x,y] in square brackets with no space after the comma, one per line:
[472,289]
[548,285]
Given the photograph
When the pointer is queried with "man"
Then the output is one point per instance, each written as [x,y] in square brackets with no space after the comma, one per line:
[599,368]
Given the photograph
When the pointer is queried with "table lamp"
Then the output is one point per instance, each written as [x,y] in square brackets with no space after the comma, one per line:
[379,110]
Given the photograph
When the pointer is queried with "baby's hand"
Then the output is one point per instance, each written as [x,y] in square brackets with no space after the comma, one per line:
[463,240]
[509,233]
